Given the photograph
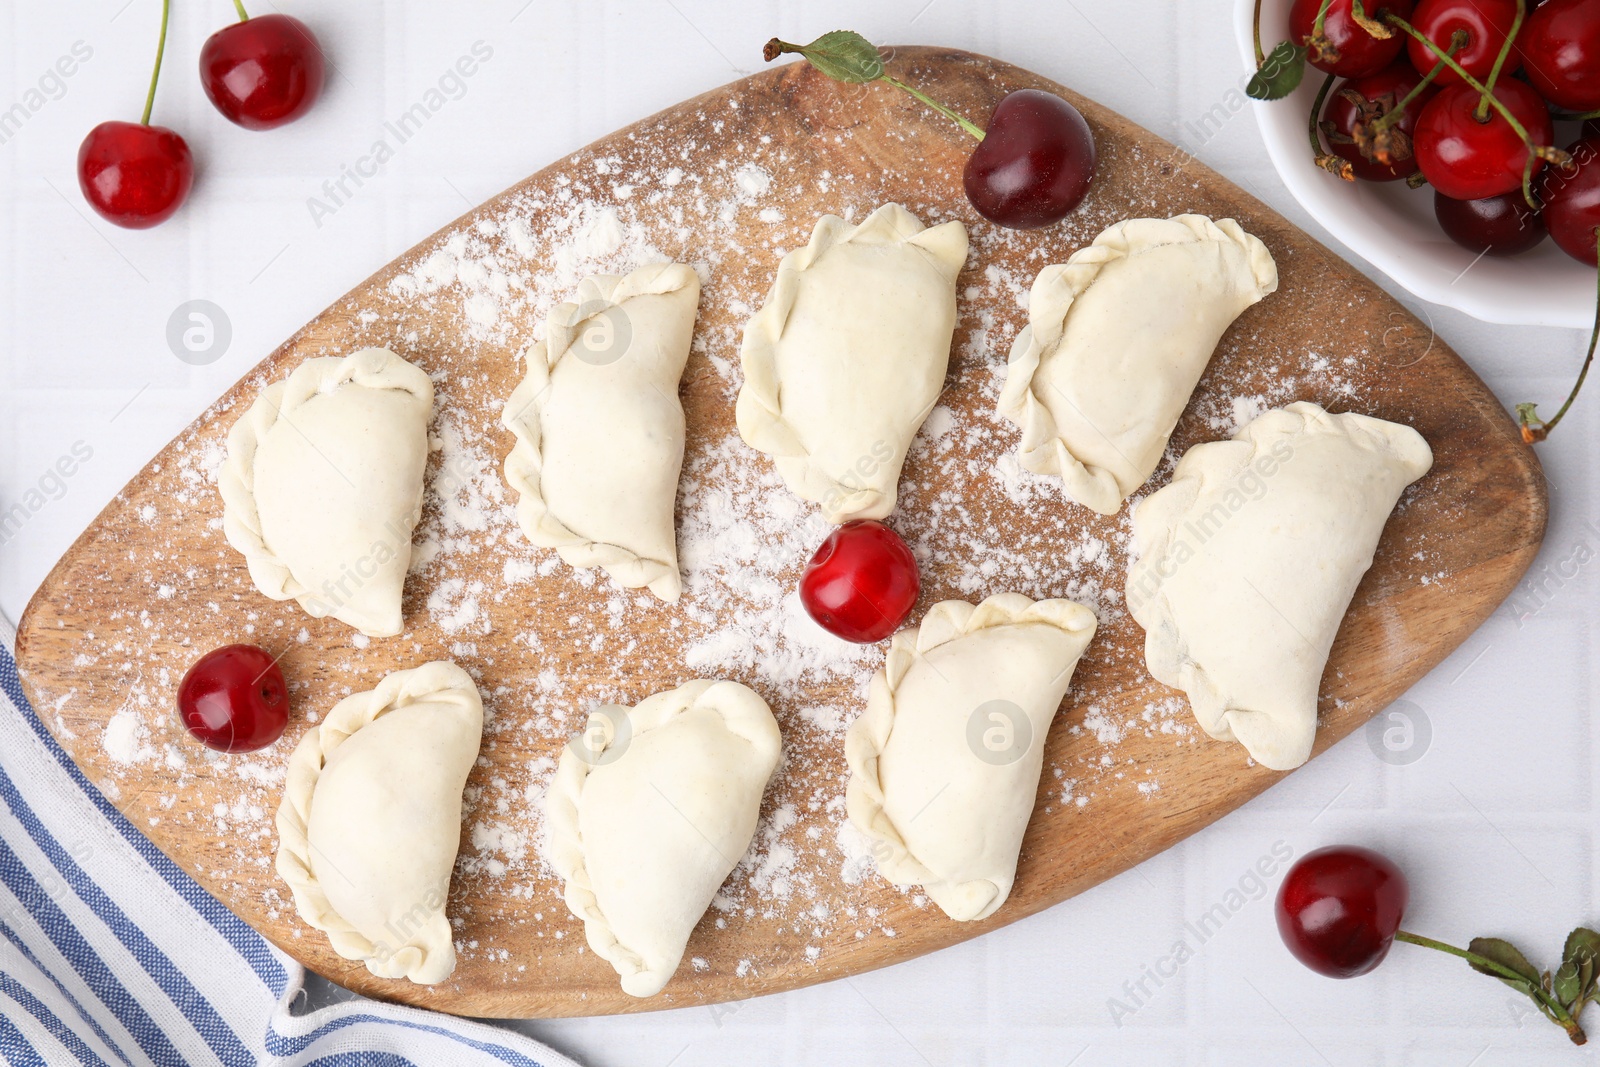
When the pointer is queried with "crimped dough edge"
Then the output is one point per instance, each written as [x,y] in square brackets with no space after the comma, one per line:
[744,713]
[373,368]
[429,956]
[1054,292]
[525,464]
[865,740]
[1158,516]
[759,408]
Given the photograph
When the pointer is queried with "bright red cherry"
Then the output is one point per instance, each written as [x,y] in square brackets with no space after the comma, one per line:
[262,72]
[1339,909]
[1469,160]
[134,175]
[1356,105]
[1487,24]
[1571,198]
[1359,53]
[1501,225]
[1560,45]
[234,699]
[862,582]
[1034,164]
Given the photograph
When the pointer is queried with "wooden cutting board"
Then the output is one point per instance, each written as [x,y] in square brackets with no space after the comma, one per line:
[729,181]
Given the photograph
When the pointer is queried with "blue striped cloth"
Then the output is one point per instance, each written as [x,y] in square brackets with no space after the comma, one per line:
[109,954]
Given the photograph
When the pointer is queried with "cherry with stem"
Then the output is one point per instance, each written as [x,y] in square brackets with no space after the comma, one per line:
[1031,167]
[134,174]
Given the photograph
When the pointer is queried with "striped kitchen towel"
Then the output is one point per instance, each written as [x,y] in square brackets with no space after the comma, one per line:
[109,954]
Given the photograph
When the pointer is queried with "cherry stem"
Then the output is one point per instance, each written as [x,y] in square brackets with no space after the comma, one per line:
[1499,61]
[1329,162]
[1535,428]
[1550,1004]
[1319,24]
[1458,40]
[155,75]
[958,119]
[238,5]
[1261,57]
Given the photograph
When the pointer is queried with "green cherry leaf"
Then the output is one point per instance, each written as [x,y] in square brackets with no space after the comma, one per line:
[843,55]
[1279,74]
[1506,955]
[1568,984]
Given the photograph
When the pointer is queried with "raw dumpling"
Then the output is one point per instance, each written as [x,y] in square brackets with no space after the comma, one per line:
[848,355]
[649,810]
[1249,558]
[323,485]
[1116,339]
[945,761]
[371,819]
[600,429]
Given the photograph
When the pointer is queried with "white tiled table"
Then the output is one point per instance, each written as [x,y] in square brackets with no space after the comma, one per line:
[1496,824]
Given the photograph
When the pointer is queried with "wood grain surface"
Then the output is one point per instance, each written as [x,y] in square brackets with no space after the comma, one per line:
[152,584]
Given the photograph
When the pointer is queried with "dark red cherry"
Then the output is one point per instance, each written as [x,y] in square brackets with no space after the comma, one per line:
[1501,225]
[262,72]
[1560,45]
[1571,197]
[1339,909]
[234,699]
[1352,51]
[134,175]
[1034,164]
[861,583]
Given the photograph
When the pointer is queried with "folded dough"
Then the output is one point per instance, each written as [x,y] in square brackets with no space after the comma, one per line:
[322,486]
[945,761]
[1248,559]
[649,811]
[848,355]
[600,429]
[371,819]
[1116,339]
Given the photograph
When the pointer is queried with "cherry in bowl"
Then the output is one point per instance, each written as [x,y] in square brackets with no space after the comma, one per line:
[1359,124]
[1485,24]
[1034,164]
[862,582]
[262,72]
[1501,225]
[1345,48]
[1571,196]
[1339,909]
[234,699]
[1466,159]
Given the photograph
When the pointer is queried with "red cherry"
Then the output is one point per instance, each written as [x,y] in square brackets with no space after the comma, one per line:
[1034,164]
[862,582]
[134,175]
[1571,197]
[1501,225]
[234,699]
[1339,909]
[1560,45]
[1359,52]
[1487,24]
[1469,160]
[1353,107]
[263,72]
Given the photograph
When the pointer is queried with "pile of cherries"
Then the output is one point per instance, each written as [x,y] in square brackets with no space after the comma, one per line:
[1467,96]
[259,72]
[1464,95]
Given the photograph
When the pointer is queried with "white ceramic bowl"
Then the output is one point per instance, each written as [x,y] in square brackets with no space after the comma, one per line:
[1393,227]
